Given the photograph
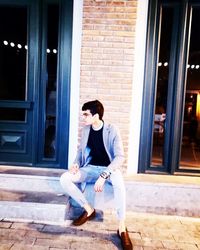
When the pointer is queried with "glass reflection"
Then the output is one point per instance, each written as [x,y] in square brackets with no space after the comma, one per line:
[162,87]
[51,81]
[190,147]
[13,38]
[13,34]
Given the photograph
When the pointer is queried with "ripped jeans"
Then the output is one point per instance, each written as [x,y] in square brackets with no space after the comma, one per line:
[91,173]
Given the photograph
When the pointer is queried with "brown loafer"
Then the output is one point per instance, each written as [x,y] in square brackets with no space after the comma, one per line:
[83,218]
[125,240]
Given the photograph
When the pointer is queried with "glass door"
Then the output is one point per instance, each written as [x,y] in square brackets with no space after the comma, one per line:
[35,65]
[16,88]
[190,143]
[170,134]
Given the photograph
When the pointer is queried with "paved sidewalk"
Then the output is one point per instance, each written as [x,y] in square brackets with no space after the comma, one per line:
[147,231]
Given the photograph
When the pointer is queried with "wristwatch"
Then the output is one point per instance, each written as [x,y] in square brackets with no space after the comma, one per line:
[105,175]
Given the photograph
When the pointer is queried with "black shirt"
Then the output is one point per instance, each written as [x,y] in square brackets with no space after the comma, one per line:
[98,154]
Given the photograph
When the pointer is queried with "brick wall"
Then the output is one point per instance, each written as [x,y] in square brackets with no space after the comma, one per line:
[107,58]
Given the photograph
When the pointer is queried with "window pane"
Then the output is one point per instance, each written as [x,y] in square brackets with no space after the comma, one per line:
[162,87]
[13,39]
[51,84]
[11,114]
[190,147]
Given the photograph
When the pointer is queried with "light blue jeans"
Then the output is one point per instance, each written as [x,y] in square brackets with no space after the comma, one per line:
[90,173]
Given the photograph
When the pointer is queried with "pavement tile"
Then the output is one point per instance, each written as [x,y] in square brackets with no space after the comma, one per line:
[137,248]
[55,248]
[178,245]
[28,247]
[12,234]
[27,226]
[4,224]
[5,246]
[184,238]
[101,245]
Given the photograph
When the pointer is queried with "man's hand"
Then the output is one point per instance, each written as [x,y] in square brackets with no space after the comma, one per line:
[74,168]
[98,186]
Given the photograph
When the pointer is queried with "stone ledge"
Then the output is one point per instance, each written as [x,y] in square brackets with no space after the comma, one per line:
[33,211]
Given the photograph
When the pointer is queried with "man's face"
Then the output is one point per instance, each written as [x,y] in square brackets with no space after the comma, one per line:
[88,118]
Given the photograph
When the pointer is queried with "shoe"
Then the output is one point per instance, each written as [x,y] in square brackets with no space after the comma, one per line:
[125,240]
[83,218]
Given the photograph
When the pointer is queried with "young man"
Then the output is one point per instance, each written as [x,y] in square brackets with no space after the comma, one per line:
[99,158]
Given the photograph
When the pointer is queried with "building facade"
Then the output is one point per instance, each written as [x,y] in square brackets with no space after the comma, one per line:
[139,58]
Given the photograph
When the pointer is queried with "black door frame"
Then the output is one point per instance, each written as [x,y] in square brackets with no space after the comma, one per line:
[63,87]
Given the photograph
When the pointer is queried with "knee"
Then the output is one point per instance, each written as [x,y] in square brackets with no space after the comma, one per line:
[64,179]
[117,181]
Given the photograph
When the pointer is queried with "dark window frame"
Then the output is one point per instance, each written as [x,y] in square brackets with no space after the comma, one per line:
[177,77]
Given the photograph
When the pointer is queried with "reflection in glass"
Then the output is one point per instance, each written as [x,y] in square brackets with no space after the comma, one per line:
[12,114]
[162,87]
[190,147]
[13,38]
[51,81]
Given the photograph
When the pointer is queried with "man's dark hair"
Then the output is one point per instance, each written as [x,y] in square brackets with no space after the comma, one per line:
[95,107]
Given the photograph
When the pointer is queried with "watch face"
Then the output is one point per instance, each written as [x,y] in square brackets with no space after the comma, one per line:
[104,175]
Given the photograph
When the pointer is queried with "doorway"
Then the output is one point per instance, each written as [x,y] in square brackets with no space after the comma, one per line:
[35,51]
[171,97]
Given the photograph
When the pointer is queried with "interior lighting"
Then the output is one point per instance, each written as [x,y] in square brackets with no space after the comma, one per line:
[48,50]
[166,64]
[19,46]
[26,47]
[12,44]
[192,67]
[5,42]
[198,107]
[54,51]
[197,66]
[188,66]
[159,64]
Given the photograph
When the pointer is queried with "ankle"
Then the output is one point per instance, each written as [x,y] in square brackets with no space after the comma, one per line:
[122,227]
[88,209]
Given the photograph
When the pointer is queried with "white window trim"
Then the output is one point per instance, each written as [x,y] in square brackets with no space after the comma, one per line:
[75,79]
[137,87]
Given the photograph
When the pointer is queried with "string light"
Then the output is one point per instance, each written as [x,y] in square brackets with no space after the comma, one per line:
[193,66]
[19,46]
[5,42]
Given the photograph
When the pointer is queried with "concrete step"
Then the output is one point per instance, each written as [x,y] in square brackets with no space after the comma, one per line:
[33,206]
[38,197]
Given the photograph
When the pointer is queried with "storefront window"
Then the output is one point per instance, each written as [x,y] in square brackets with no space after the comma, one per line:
[159,130]
[190,147]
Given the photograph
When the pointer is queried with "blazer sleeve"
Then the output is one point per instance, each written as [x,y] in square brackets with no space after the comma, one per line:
[116,150]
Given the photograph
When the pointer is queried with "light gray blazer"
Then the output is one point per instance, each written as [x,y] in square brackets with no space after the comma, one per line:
[113,146]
